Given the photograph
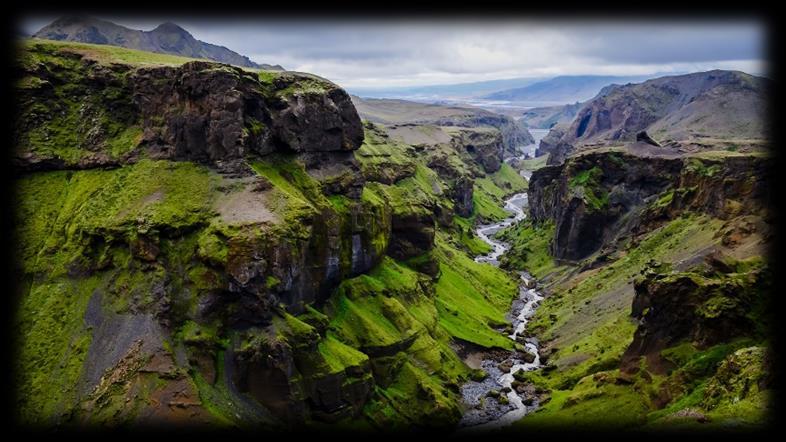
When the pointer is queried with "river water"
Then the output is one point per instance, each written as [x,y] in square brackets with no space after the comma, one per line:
[484,411]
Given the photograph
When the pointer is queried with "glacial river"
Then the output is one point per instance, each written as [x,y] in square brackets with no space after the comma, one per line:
[484,412]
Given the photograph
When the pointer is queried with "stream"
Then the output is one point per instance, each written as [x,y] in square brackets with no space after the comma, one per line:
[485,412]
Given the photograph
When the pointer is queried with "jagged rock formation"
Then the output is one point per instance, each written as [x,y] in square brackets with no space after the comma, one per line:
[657,288]
[597,197]
[198,111]
[167,38]
[720,304]
[643,136]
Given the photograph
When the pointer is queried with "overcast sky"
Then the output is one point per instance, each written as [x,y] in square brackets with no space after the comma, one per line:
[360,54]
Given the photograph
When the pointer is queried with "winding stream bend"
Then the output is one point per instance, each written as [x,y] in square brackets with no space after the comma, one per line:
[484,412]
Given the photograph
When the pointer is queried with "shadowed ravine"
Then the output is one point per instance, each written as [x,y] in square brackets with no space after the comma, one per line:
[483,410]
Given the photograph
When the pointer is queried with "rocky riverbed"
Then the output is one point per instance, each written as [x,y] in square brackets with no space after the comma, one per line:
[500,399]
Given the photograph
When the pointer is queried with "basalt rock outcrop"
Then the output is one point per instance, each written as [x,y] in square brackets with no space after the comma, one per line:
[227,173]
[202,112]
[706,308]
[549,142]
[485,147]
[597,197]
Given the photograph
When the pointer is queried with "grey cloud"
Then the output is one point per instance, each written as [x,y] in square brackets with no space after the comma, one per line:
[419,52]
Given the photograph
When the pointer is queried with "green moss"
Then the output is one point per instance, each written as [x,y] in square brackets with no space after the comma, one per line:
[212,244]
[382,159]
[304,86]
[529,247]
[338,355]
[509,180]
[300,195]
[472,298]
[588,321]
[465,235]
[703,167]
[487,201]
[104,53]
[413,396]
[53,342]
[267,76]
[679,354]
[65,213]
[586,184]
[256,127]
[664,199]
[593,403]
[228,409]
[535,163]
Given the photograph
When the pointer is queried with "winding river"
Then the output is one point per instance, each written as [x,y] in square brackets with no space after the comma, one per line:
[484,411]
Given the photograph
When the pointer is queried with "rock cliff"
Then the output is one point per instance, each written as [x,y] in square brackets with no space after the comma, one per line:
[599,197]
[204,245]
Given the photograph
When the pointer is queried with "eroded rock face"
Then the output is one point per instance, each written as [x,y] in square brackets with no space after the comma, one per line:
[305,120]
[462,192]
[203,112]
[485,147]
[597,197]
[549,142]
[209,113]
[412,234]
[705,308]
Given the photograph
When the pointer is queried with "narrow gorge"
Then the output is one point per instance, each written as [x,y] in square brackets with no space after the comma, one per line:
[203,245]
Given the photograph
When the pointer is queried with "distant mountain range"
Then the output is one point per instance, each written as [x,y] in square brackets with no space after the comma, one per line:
[564,89]
[167,38]
[522,92]
[444,91]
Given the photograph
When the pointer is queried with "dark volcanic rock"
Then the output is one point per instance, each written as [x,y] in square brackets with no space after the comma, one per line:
[200,111]
[597,197]
[205,112]
[462,192]
[549,143]
[706,309]
[412,234]
[325,120]
[645,137]
[484,146]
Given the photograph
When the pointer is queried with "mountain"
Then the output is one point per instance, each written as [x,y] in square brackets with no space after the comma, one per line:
[444,91]
[562,90]
[702,109]
[167,38]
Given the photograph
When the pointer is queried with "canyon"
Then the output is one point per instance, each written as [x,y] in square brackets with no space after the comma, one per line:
[205,244]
